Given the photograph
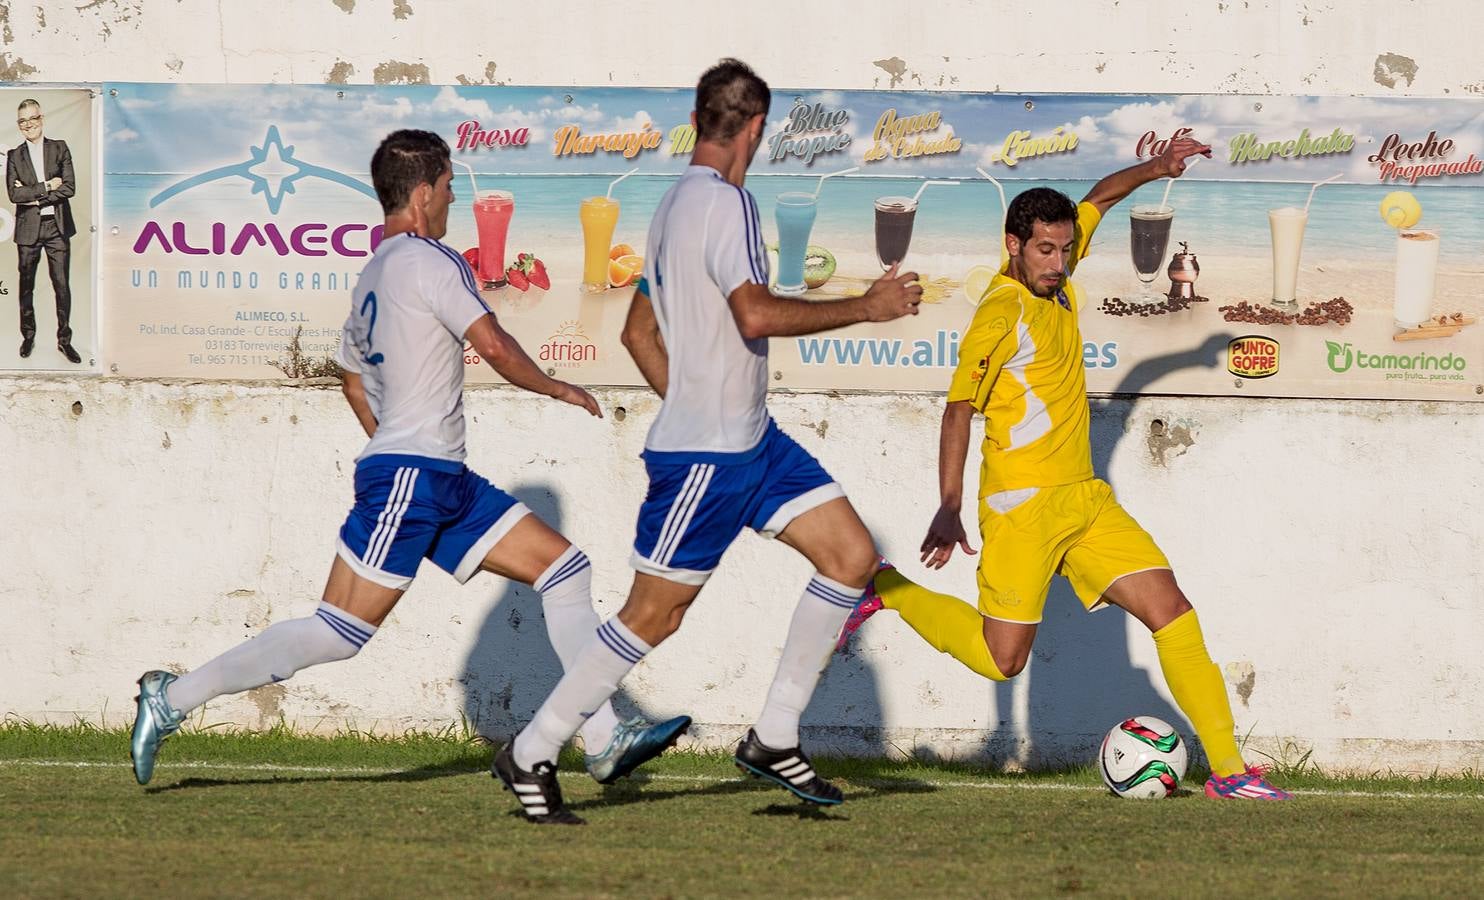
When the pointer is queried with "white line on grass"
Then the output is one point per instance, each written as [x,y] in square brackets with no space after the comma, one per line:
[705,779]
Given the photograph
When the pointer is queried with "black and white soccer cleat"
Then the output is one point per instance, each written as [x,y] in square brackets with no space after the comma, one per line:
[538,792]
[789,769]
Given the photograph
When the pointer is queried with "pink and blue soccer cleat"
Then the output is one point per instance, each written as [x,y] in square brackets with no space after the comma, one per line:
[1249,785]
[868,605]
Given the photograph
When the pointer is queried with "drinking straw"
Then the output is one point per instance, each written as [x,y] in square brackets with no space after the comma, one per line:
[1004,211]
[819,187]
[925,187]
[1333,177]
[1004,206]
[474,185]
[615,181]
[1164,202]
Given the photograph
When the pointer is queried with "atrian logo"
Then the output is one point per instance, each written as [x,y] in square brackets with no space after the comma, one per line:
[568,348]
[273,171]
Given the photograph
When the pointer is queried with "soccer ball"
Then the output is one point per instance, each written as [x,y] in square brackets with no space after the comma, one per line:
[1143,758]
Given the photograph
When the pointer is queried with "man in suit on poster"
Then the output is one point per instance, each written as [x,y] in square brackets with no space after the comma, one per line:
[39,179]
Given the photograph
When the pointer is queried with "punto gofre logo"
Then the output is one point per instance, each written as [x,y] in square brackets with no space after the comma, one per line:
[1252,356]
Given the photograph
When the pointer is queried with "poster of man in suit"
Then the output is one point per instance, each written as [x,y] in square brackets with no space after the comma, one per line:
[46,280]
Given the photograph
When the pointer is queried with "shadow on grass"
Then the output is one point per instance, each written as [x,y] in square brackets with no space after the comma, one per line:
[427,773]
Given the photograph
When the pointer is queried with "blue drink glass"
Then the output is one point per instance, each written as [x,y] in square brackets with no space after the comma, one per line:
[795,215]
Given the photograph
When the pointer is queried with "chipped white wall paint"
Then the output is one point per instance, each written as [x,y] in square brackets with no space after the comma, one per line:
[1253,46]
[1334,549]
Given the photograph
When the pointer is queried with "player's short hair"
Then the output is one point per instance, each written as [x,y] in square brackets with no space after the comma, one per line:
[1038,205]
[728,94]
[27,102]
[406,159]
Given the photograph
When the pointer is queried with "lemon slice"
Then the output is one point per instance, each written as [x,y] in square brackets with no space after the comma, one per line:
[976,283]
[1400,209]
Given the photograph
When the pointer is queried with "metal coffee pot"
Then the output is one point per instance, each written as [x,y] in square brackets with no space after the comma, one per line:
[1183,272]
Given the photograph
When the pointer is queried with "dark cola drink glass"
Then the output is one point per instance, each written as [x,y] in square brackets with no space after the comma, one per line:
[894,217]
[1149,240]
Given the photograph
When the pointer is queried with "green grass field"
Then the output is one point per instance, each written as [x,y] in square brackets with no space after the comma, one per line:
[279,814]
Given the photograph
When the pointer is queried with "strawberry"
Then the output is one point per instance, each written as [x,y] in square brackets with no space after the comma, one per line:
[532,271]
[537,274]
[471,256]
[517,278]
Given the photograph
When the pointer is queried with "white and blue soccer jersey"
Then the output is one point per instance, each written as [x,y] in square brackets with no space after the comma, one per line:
[705,242]
[415,499]
[405,338]
[717,462]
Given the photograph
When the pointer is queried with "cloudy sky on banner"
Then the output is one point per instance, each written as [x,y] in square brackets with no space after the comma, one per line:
[189,128]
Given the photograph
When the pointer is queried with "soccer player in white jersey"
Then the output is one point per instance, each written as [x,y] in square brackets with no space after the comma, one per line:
[698,330]
[413,307]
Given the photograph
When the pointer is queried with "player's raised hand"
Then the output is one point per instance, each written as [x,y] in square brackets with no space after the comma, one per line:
[892,296]
[945,533]
[1171,163]
[571,393]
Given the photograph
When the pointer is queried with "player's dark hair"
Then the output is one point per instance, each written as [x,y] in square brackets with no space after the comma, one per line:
[406,159]
[728,94]
[27,102]
[1038,205]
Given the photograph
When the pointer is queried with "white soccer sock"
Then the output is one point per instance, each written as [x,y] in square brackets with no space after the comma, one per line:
[566,589]
[275,655]
[592,679]
[816,624]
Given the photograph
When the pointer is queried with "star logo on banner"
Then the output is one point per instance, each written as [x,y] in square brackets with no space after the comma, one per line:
[271,169]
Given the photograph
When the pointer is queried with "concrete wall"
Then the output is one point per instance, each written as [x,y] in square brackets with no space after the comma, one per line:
[1334,549]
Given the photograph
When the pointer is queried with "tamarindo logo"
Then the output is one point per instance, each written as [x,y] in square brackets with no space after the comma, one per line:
[1344,357]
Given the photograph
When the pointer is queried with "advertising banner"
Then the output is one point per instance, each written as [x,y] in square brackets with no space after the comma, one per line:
[238,217]
[47,315]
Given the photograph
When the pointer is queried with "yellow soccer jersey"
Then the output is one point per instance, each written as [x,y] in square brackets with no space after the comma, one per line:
[1020,364]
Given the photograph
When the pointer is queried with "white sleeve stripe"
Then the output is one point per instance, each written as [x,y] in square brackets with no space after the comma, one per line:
[465,274]
[750,236]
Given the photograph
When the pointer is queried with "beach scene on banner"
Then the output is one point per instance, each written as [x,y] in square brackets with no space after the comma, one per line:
[556,187]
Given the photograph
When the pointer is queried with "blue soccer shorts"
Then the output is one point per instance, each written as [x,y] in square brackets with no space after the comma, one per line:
[411,508]
[699,502]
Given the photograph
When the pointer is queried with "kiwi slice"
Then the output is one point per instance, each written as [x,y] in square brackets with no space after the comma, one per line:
[819,266]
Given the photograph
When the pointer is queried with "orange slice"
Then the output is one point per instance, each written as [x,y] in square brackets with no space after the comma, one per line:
[625,270]
[620,250]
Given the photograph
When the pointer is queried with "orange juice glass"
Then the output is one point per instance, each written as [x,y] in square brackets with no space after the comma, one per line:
[599,216]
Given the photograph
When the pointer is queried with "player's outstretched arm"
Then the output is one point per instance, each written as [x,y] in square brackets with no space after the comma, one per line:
[1169,164]
[507,358]
[761,314]
[355,394]
[642,338]
[947,528]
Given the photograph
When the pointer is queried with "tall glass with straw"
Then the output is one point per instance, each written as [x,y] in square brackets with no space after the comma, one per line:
[894,220]
[1287,225]
[794,212]
[1149,237]
[599,216]
[492,213]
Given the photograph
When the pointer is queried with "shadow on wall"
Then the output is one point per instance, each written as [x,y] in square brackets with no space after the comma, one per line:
[1080,682]
[512,667]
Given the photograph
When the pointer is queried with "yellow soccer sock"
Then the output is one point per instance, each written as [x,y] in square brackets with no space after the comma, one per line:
[949,624]
[1196,683]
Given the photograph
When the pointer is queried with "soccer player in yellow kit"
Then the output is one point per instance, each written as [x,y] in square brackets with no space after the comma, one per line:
[1041,509]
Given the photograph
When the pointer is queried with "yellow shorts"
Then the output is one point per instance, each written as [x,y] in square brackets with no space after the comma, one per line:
[1078,530]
